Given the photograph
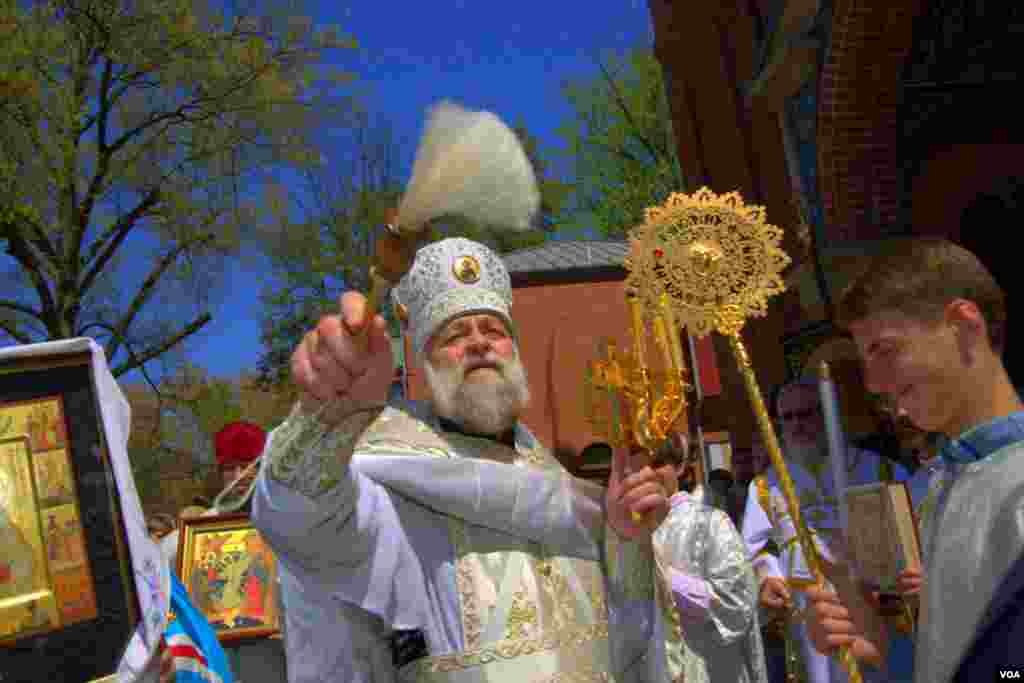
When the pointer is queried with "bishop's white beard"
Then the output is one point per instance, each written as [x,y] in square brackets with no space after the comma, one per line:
[480,407]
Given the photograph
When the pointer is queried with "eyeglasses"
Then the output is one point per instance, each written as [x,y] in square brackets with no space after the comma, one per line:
[805,414]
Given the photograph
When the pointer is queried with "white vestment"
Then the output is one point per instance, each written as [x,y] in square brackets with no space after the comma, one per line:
[720,636]
[437,556]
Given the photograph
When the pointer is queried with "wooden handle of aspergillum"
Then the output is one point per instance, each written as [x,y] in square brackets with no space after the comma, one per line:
[393,254]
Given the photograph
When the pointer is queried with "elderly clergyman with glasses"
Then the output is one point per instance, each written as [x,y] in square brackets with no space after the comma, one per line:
[782,579]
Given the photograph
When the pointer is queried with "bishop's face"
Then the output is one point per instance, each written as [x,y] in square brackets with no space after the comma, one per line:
[476,345]
[474,373]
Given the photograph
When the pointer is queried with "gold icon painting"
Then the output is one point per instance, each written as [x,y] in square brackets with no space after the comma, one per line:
[45,579]
[231,576]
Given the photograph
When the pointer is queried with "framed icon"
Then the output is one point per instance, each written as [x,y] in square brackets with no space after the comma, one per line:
[65,578]
[231,576]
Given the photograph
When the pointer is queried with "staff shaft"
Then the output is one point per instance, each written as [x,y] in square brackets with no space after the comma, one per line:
[771,442]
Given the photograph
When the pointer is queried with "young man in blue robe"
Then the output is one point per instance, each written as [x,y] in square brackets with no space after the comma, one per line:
[929,321]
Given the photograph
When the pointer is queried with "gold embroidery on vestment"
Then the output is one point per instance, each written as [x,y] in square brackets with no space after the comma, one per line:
[510,649]
[472,626]
[522,617]
[556,586]
[585,676]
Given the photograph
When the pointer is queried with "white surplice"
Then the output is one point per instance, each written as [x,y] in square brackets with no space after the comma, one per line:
[722,641]
[492,561]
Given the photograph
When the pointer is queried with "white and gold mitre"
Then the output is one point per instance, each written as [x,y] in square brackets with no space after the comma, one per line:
[450,278]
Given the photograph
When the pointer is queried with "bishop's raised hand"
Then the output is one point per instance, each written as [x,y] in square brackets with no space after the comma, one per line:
[339,359]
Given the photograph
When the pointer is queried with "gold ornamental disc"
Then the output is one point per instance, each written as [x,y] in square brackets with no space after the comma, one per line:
[466,270]
[715,257]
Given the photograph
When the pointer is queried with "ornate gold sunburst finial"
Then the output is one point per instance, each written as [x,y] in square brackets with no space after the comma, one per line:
[707,251]
[717,261]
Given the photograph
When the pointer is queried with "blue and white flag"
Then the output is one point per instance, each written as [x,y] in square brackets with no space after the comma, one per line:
[192,652]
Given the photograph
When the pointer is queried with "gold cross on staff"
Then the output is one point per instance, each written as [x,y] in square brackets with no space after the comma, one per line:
[627,402]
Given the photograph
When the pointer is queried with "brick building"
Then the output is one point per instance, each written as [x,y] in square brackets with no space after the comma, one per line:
[871,118]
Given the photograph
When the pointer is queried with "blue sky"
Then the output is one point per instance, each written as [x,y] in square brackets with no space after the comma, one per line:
[506,57]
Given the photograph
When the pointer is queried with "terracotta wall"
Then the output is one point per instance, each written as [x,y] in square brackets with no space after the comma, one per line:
[731,411]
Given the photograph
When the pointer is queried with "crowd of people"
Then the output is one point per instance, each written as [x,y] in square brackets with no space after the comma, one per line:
[441,541]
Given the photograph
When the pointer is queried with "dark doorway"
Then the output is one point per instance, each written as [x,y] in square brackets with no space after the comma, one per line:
[987,227]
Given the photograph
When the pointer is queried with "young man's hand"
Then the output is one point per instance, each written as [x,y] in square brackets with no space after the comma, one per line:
[832,626]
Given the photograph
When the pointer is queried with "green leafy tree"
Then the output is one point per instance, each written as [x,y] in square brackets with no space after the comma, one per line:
[328,250]
[131,136]
[326,247]
[620,145]
[180,421]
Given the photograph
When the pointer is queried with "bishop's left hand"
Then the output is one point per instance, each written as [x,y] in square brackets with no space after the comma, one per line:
[637,487]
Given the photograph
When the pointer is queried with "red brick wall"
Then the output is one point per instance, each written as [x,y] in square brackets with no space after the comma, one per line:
[858,116]
[559,326]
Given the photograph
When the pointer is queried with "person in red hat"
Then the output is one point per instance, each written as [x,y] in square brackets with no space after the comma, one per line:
[237,445]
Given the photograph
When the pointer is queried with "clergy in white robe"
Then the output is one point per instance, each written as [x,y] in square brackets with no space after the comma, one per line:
[442,542]
[766,518]
[714,591]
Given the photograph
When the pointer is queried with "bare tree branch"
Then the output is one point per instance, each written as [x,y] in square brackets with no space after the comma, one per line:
[624,108]
[133,357]
[163,347]
[117,234]
[21,308]
[148,287]
[39,240]
[102,162]
[17,248]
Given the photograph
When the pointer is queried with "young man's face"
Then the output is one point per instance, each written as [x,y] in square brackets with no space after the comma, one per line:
[916,365]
